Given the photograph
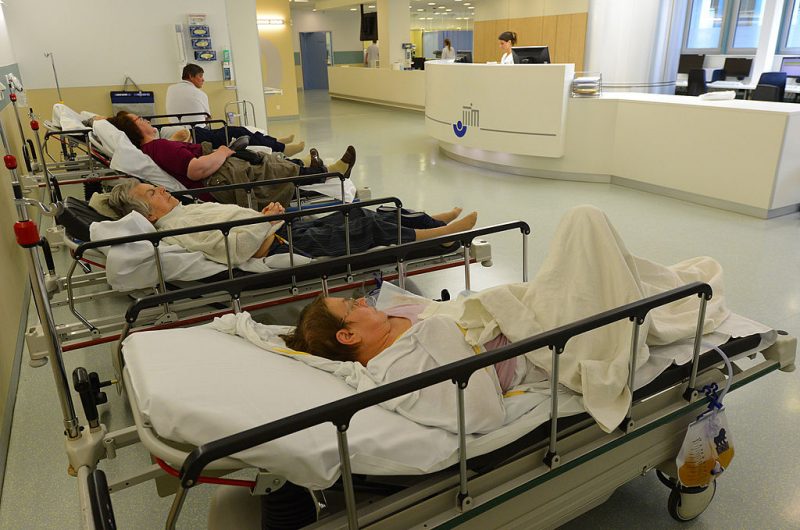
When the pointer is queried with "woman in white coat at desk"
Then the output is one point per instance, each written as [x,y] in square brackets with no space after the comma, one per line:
[448,52]
[507,39]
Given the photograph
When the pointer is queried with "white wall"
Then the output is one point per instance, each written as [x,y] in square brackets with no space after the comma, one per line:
[497,9]
[345,27]
[622,39]
[6,50]
[246,57]
[97,43]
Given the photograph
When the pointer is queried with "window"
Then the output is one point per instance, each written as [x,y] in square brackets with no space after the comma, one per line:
[790,36]
[704,28]
[724,26]
[749,17]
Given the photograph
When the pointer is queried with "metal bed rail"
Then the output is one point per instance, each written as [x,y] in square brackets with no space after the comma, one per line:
[323,269]
[298,181]
[340,412]
[155,239]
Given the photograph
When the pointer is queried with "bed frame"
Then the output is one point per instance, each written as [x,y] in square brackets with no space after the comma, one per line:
[85,332]
[549,476]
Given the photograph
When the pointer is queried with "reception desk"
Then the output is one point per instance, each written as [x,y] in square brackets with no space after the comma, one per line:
[382,86]
[736,155]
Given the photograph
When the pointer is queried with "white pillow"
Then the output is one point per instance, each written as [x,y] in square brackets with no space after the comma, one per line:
[721,95]
[129,159]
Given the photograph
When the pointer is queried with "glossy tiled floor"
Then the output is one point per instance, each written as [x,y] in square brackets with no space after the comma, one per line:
[395,157]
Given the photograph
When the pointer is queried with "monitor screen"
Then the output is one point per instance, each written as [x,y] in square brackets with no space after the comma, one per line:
[533,54]
[418,63]
[463,56]
[737,67]
[690,62]
[791,66]
[369,26]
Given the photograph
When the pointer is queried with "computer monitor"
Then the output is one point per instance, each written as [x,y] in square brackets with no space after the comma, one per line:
[463,56]
[533,54]
[791,66]
[418,63]
[690,62]
[737,67]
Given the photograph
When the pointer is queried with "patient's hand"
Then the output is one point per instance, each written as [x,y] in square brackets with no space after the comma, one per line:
[273,208]
[182,135]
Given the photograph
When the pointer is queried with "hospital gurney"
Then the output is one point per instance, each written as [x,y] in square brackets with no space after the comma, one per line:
[88,331]
[547,494]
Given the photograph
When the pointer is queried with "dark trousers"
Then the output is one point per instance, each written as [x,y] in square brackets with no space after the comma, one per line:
[326,236]
[217,137]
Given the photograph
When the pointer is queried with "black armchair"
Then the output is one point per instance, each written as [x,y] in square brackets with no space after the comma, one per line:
[697,82]
[777,79]
[765,92]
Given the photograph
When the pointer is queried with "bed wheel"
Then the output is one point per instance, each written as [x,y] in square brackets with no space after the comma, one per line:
[684,506]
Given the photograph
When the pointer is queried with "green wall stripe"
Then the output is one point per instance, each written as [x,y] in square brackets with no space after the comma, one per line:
[346,57]
[349,57]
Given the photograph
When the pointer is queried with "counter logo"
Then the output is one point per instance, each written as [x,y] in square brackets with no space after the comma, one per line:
[469,118]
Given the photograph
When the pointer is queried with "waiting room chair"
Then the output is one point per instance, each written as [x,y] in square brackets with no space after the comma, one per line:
[777,79]
[766,93]
[696,84]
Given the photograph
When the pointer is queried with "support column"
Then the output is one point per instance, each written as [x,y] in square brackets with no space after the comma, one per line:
[768,40]
[243,35]
[394,28]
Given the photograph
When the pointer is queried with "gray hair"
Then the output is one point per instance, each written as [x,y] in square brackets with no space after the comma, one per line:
[122,201]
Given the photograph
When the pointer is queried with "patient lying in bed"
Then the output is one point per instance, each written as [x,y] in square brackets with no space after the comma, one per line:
[588,270]
[314,238]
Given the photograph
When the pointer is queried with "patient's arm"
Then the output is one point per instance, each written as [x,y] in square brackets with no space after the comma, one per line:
[264,248]
[181,135]
[204,166]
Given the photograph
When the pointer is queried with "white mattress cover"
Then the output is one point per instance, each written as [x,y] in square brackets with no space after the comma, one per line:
[196,385]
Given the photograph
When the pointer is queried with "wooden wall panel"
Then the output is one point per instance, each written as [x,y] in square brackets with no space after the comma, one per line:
[564,34]
[577,42]
[549,31]
[563,29]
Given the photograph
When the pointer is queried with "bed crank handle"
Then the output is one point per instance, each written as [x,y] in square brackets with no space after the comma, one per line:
[50,211]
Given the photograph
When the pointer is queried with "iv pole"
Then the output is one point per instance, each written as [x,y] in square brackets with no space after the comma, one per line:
[55,74]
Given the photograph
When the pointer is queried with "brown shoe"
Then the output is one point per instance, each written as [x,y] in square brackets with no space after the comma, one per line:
[349,158]
[316,161]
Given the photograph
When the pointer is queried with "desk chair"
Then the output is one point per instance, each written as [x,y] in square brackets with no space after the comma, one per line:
[696,84]
[777,79]
[764,92]
[718,75]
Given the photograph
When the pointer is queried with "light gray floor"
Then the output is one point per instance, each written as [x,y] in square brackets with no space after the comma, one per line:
[395,157]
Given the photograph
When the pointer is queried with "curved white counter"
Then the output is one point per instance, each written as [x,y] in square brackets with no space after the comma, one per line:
[736,155]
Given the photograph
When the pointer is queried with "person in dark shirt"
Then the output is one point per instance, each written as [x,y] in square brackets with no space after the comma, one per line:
[199,165]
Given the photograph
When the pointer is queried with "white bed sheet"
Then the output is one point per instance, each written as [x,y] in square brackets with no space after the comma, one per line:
[196,385]
[132,266]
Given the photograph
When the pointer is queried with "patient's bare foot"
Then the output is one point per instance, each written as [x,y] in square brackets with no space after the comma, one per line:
[447,217]
[465,223]
[286,139]
[293,149]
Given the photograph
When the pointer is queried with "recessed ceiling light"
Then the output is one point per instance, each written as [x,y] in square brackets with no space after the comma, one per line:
[431,3]
[471,7]
[371,7]
[352,9]
[420,9]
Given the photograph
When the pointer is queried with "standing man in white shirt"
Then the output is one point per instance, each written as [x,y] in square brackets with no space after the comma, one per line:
[187,98]
[372,56]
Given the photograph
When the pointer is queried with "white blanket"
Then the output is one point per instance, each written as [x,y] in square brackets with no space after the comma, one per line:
[67,119]
[589,270]
[132,266]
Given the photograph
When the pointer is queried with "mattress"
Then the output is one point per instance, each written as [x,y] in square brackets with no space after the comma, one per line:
[195,385]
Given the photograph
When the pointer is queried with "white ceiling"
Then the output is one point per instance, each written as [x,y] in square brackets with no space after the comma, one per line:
[429,15]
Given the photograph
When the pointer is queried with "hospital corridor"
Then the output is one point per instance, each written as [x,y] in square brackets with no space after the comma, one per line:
[619,315]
